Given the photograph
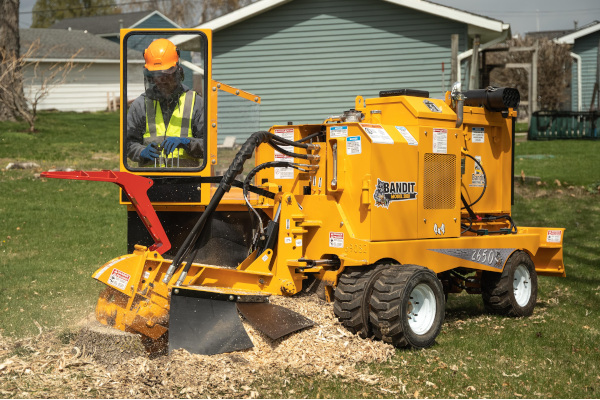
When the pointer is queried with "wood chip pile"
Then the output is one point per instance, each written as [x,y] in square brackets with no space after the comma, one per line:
[50,365]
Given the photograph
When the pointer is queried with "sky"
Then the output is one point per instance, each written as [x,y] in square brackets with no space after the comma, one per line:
[522,15]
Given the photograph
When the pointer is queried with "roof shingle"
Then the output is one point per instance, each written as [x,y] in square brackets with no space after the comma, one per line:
[102,24]
[63,44]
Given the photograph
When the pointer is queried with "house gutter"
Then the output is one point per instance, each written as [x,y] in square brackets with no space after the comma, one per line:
[579,97]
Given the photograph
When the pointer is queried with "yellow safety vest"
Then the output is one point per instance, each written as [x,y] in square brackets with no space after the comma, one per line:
[180,125]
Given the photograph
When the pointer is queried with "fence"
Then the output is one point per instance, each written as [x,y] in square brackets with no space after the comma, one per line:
[546,125]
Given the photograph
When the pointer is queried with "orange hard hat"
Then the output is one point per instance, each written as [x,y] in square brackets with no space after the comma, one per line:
[161,55]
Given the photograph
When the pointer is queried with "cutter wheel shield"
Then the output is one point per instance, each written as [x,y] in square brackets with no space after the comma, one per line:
[407,306]
[352,296]
[207,321]
[514,291]
[273,320]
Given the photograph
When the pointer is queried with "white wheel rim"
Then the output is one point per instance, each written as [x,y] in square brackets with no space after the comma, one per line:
[522,285]
[421,309]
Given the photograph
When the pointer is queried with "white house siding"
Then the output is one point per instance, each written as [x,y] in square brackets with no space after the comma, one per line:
[84,90]
[587,48]
[309,59]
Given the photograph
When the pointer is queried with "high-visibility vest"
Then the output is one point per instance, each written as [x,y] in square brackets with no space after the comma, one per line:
[180,125]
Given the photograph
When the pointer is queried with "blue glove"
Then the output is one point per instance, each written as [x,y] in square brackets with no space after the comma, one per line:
[150,152]
[171,143]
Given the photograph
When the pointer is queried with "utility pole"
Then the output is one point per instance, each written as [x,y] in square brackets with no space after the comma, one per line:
[474,76]
[454,60]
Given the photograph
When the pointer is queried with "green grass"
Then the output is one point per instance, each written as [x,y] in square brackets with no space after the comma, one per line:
[572,162]
[55,233]
[522,127]
[68,138]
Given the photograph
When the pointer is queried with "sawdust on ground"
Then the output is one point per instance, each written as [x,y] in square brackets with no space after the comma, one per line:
[51,366]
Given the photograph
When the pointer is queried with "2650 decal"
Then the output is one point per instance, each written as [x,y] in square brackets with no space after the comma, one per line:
[492,257]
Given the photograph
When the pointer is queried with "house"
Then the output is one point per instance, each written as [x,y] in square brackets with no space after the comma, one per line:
[108,26]
[585,51]
[91,85]
[309,59]
[93,42]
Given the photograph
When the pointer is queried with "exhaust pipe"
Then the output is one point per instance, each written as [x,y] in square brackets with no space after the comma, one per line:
[493,99]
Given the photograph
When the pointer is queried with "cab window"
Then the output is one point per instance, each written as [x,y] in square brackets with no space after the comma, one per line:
[164,123]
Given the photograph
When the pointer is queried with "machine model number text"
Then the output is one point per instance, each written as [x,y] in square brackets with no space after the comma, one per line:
[489,257]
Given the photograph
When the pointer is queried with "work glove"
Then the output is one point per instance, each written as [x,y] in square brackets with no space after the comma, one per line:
[171,143]
[150,152]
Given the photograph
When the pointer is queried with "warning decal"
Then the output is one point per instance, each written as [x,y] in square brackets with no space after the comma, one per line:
[338,131]
[336,239]
[554,236]
[353,145]
[407,136]
[281,172]
[477,179]
[440,141]
[118,279]
[377,134]
[478,135]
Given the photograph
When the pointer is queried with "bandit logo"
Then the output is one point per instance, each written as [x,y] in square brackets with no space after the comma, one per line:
[387,192]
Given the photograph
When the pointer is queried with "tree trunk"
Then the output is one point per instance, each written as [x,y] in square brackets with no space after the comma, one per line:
[12,99]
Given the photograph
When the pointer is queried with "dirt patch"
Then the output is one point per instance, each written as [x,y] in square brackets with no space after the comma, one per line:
[55,364]
[542,189]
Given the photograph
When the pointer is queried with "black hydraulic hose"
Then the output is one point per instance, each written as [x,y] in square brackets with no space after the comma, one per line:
[254,171]
[245,152]
[312,135]
[289,142]
[288,153]
[233,171]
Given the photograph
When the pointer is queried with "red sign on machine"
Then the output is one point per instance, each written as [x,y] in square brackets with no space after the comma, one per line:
[118,279]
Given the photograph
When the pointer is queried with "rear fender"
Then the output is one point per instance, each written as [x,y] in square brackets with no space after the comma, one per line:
[548,260]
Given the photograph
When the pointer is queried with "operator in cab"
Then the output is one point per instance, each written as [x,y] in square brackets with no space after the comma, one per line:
[165,124]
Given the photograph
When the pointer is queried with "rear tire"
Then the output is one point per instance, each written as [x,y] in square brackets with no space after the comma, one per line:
[352,295]
[513,292]
[408,306]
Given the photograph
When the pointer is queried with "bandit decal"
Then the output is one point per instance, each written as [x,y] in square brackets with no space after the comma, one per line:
[387,192]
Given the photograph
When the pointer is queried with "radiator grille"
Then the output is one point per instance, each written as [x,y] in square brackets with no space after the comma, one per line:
[439,181]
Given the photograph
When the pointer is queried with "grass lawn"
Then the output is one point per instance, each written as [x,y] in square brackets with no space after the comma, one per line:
[55,233]
[572,162]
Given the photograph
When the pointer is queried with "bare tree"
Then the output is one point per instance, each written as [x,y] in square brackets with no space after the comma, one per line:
[47,12]
[41,79]
[554,71]
[12,99]
[215,8]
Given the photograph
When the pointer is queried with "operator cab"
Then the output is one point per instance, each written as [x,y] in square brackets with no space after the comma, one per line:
[164,87]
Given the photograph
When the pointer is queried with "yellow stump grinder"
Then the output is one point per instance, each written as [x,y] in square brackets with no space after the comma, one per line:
[383,210]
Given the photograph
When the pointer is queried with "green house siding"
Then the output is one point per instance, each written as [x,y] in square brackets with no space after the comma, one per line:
[309,59]
[587,48]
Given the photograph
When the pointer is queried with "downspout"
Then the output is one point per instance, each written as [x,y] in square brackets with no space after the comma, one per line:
[579,99]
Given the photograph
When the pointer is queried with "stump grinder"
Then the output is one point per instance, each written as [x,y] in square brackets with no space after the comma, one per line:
[383,210]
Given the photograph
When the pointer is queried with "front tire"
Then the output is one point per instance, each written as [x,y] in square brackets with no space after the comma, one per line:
[408,306]
[513,292]
[352,295]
